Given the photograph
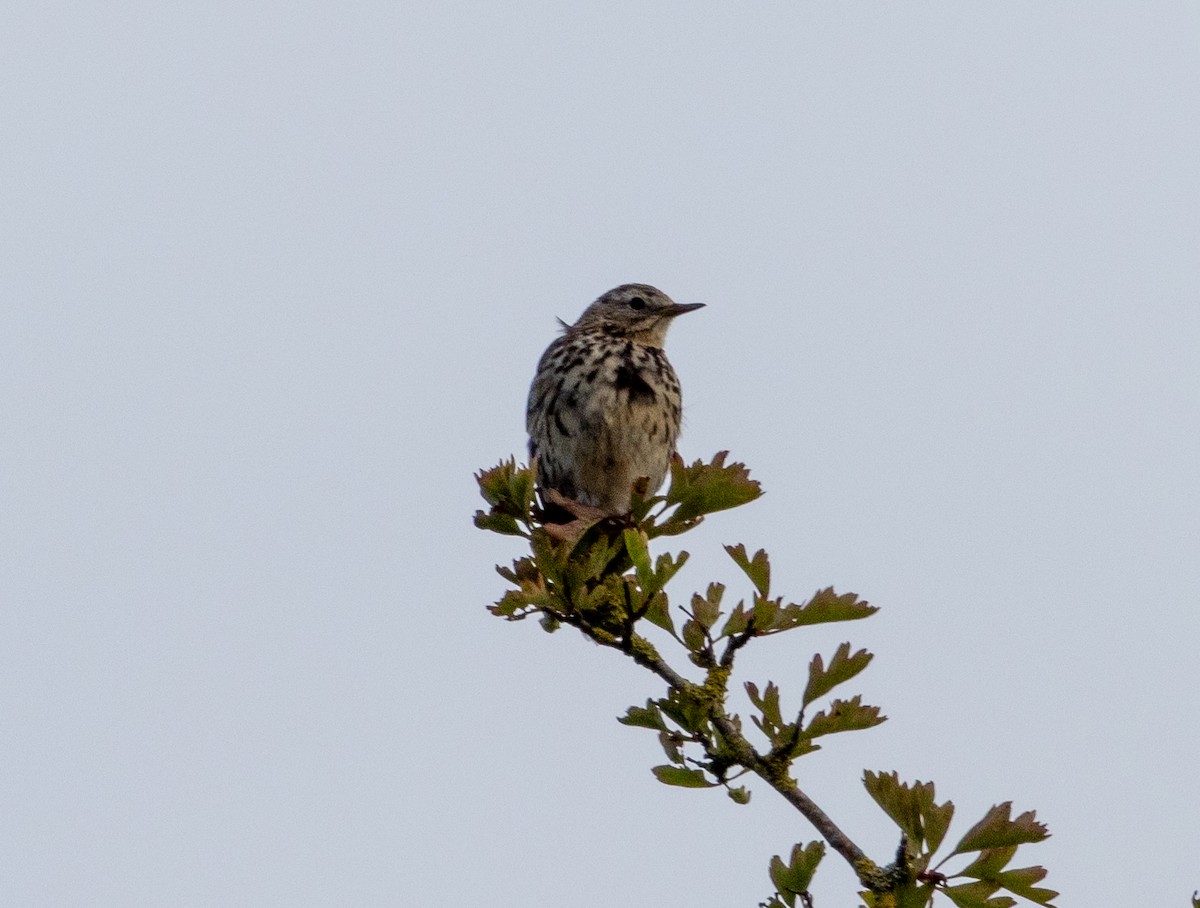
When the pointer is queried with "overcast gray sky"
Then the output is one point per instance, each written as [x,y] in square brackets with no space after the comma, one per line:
[275,277]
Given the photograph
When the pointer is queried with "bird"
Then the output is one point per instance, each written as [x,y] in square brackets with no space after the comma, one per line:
[604,409]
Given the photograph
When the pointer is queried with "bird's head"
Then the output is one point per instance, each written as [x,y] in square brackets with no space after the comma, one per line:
[637,311]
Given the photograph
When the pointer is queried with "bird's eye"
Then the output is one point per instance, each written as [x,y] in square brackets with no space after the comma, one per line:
[637,303]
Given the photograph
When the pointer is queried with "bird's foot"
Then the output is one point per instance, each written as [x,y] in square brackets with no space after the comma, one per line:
[583,516]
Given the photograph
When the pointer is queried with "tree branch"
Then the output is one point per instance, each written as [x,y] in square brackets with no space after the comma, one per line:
[752,760]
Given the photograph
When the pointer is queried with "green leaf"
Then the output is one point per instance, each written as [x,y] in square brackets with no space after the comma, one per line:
[844,715]
[915,895]
[779,871]
[646,716]
[673,709]
[989,863]
[672,527]
[550,559]
[593,557]
[977,895]
[493,484]
[771,616]
[641,505]
[996,830]
[639,554]
[825,607]
[688,712]
[706,609]
[937,817]
[737,622]
[684,778]
[599,602]
[842,667]
[1021,882]
[693,636]
[659,613]
[498,523]
[523,571]
[912,808]
[703,488]
[512,605]
[758,568]
[794,877]
[666,567]
[767,615]
[770,722]
[739,795]
[508,489]
[669,741]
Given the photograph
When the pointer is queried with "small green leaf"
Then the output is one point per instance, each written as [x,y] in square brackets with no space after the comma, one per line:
[549,559]
[738,621]
[842,667]
[844,715]
[508,489]
[669,741]
[641,505]
[936,816]
[498,523]
[758,568]
[673,709]
[523,571]
[977,895]
[825,607]
[667,566]
[689,713]
[767,614]
[646,716]
[673,527]
[989,863]
[911,807]
[1021,882]
[996,830]
[639,554]
[703,488]
[684,778]
[740,795]
[770,722]
[512,605]
[594,557]
[779,871]
[602,603]
[659,613]
[706,609]
[794,877]
[693,635]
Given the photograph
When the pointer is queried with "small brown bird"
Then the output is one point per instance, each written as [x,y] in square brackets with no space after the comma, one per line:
[604,407]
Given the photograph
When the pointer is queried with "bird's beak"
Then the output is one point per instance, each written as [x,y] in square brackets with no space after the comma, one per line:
[680,308]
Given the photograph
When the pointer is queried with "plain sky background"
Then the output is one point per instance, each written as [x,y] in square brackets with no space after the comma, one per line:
[274,279]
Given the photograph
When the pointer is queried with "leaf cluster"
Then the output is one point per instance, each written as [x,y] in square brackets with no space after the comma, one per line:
[993,841]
